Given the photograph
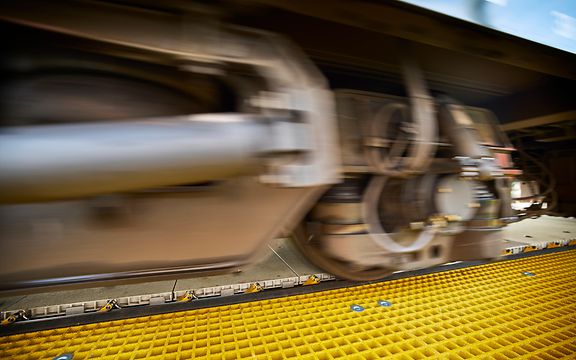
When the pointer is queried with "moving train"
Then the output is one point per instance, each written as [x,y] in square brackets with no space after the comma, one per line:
[147,139]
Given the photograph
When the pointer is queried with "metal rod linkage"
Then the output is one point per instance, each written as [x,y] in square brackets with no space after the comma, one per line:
[53,162]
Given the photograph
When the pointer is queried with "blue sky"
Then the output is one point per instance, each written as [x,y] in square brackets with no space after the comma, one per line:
[550,22]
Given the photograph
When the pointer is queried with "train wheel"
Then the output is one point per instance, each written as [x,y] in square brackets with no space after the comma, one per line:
[306,242]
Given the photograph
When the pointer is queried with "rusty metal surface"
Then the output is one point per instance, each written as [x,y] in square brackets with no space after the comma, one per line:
[226,225]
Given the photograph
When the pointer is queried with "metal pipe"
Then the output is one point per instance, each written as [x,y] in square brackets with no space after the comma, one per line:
[53,162]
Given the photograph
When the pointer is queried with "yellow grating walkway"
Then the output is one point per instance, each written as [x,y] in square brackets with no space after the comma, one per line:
[519,309]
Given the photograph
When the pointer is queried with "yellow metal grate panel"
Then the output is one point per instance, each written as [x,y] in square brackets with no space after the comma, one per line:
[519,309]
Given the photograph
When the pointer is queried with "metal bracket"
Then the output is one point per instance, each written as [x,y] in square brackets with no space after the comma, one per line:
[20,315]
[110,305]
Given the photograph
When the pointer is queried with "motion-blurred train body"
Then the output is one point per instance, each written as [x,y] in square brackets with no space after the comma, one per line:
[144,139]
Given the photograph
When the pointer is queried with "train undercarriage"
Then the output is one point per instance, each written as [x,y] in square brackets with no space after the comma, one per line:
[141,140]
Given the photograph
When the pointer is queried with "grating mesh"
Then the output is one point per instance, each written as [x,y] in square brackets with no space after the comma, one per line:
[522,308]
